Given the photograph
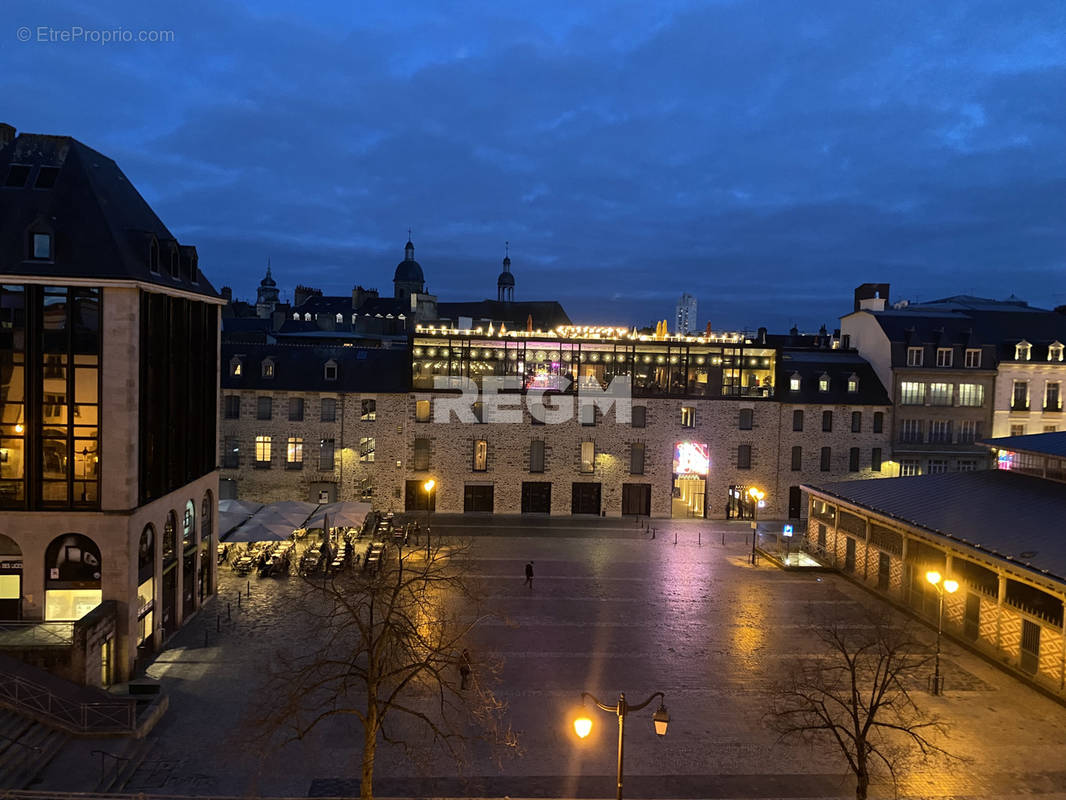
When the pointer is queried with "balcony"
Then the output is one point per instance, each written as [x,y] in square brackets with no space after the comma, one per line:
[1019,405]
[1053,408]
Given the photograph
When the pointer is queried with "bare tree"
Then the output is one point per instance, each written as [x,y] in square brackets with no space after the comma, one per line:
[858,696]
[384,645]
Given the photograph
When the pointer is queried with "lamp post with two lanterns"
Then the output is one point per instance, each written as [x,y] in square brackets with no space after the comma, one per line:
[428,486]
[756,496]
[950,587]
[583,725]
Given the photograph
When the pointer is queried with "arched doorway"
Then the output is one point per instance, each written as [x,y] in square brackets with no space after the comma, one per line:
[146,588]
[188,554]
[169,612]
[10,579]
[72,577]
[207,561]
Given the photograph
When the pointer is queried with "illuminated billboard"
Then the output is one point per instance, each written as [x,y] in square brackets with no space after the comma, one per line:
[691,458]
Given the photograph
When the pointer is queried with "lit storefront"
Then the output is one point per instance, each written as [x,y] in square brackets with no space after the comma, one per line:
[692,462]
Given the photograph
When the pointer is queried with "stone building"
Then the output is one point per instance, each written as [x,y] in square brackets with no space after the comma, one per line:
[992,532]
[710,417]
[108,391]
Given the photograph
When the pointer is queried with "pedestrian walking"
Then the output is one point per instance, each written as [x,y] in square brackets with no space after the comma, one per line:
[464,668]
[529,574]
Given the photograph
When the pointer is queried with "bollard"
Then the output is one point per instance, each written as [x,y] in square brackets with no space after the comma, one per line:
[249,588]
[723,538]
[699,538]
[653,533]
[675,537]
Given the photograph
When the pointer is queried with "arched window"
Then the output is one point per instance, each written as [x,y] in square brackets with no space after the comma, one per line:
[146,551]
[10,579]
[188,525]
[169,541]
[72,577]
[145,584]
[268,368]
[206,517]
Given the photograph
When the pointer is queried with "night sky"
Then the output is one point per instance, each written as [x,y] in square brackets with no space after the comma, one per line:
[765,156]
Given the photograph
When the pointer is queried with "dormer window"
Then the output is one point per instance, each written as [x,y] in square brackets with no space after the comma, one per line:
[175,264]
[307,317]
[268,368]
[1022,351]
[331,370]
[794,382]
[296,316]
[353,318]
[41,246]
[235,367]
[853,383]
[1054,351]
[153,256]
[340,319]
[823,383]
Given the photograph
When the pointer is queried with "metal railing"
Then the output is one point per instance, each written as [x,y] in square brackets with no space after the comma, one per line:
[18,635]
[107,716]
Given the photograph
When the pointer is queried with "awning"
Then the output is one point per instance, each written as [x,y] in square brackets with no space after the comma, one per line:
[231,513]
[345,514]
[253,531]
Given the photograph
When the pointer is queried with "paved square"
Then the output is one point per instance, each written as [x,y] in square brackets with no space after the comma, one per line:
[610,610]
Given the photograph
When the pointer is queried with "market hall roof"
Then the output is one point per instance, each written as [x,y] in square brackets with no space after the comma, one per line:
[300,367]
[1043,444]
[997,512]
[101,227]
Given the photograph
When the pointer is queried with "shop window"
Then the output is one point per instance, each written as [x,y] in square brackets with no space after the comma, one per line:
[72,577]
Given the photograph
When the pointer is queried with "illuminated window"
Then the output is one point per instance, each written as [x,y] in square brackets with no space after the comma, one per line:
[911,393]
[971,394]
[368,410]
[940,394]
[1022,351]
[794,382]
[688,416]
[853,384]
[909,466]
[366,448]
[423,409]
[262,451]
[1017,429]
[823,383]
[588,456]
[294,453]
[268,368]
[1054,351]
[235,367]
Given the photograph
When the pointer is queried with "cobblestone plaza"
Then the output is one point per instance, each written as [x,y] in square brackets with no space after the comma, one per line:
[611,610]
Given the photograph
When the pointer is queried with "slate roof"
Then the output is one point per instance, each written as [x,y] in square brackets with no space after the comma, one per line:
[1044,444]
[301,367]
[839,365]
[997,512]
[101,226]
[547,314]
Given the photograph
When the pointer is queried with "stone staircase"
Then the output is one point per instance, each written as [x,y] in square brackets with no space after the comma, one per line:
[26,749]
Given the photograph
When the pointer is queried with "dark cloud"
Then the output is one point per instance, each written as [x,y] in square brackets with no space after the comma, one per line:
[765,156]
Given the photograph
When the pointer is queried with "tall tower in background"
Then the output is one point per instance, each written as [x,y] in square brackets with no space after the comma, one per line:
[686,314]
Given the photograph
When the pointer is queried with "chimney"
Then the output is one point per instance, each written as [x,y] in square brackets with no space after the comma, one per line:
[762,335]
[227,294]
[871,296]
[7,134]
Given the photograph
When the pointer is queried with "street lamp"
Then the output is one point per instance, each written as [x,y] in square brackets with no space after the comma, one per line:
[756,495]
[950,587]
[583,725]
[428,486]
